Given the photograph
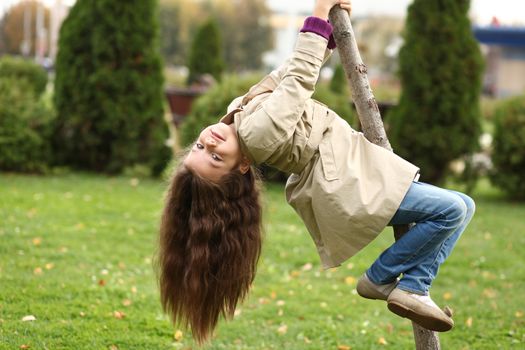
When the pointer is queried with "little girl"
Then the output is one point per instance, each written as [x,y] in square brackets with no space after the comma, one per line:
[344,188]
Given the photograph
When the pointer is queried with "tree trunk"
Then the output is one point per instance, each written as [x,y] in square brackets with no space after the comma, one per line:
[371,123]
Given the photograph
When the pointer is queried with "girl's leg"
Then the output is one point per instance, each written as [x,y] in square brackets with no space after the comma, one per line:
[439,215]
[432,267]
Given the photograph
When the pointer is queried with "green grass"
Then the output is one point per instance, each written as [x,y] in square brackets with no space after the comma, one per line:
[76,251]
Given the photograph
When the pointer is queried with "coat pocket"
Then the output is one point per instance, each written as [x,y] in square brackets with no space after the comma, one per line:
[328,160]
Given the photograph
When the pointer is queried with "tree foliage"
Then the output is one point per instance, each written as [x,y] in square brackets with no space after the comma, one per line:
[108,89]
[437,119]
[20,69]
[509,147]
[206,52]
[25,127]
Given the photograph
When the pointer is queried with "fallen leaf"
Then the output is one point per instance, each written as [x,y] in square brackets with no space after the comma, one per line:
[273,295]
[28,318]
[37,241]
[489,293]
[382,341]
[344,347]
[178,335]
[350,280]
[280,312]
[134,182]
[307,267]
[113,347]
[350,266]
[323,304]
[263,301]
[37,271]
[82,314]
[101,282]
[280,302]
[119,315]
[518,314]
[127,302]
[134,290]
[469,322]
[447,296]
[24,346]
[295,273]
[49,266]
[282,329]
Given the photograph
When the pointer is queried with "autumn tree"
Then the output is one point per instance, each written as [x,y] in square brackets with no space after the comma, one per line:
[244,27]
[108,88]
[437,119]
[246,30]
[12,27]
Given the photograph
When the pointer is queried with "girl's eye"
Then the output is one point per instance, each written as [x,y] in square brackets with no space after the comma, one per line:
[199,145]
[216,157]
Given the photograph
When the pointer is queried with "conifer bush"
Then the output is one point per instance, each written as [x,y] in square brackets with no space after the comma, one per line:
[508,154]
[25,127]
[108,89]
[438,116]
[22,69]
[206,56]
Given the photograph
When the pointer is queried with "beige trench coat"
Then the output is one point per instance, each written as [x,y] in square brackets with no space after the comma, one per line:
[343,187]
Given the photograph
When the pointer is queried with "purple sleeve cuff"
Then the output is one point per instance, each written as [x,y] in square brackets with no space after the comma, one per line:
[320,27]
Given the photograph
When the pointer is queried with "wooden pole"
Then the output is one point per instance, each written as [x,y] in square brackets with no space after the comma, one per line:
[371,123]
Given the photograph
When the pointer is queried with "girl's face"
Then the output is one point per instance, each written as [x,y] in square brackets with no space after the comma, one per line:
[216,152]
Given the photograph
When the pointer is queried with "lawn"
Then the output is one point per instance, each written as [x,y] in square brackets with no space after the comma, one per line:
[76,254]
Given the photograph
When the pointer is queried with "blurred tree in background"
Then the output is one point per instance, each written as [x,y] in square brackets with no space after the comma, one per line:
[438,116]
[206,52]
[108,88]
[25,117]
[508,154]
[12,28]
[244,28]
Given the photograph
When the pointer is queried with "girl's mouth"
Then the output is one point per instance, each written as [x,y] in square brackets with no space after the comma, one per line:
[217,136]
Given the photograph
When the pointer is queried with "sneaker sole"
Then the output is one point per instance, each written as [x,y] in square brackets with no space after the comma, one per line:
[430,323]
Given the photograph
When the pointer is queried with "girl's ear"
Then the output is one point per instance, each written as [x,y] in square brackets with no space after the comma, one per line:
[245,165]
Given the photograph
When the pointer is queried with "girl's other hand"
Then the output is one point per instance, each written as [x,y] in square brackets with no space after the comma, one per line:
[322,7]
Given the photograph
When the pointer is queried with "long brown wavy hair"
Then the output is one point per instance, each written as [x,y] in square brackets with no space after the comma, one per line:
[209,245]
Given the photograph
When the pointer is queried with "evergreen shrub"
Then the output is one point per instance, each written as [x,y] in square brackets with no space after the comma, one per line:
[206,56]
[508,154]
[108,88]
[22,69]
[25,128]
[437,119]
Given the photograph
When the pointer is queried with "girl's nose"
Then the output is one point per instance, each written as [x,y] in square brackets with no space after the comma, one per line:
[210,141]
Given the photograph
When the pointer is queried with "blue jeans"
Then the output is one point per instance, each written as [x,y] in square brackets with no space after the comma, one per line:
[440,216]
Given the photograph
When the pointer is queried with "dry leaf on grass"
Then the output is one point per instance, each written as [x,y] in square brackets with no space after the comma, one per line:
[344,347]
[282,329]
[119,315]
[28,318]
[178,335]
